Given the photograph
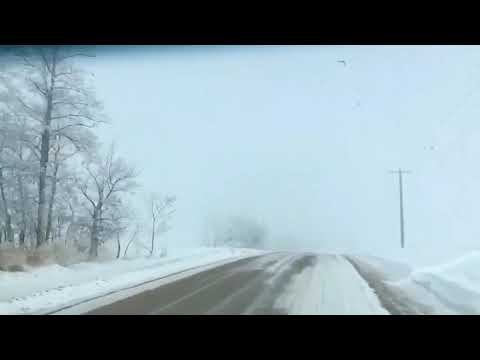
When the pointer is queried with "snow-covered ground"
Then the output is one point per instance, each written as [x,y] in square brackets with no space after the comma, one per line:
[330,287]
[327,287]
[450,288]
[53,287]
[454,285]
[392,270]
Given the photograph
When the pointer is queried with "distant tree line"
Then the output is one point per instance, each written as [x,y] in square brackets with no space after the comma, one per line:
[235,231]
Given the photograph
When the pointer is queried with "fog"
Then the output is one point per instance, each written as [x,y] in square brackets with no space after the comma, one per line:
[305,143]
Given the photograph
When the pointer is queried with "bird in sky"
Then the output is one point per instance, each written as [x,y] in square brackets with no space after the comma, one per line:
[342,62]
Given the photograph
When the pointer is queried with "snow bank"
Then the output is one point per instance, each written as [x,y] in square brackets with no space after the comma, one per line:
[55,286]
[464,271]
[455,285]
[391,270]
[417,256]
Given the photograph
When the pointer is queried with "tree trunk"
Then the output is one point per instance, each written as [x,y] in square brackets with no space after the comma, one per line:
[51,202]
[153,236]
[21,238]
[58,230]
[132,239]
[23,229]
[94,241]
[44,149]
[67,233]
[126,249]
[118,245]
[8,217]
[94,235]
[41,196]
[72,221]
[23,207]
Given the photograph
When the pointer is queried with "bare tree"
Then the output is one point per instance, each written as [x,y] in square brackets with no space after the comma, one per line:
[62,151]
[115,224]
[7,163]
[105,180]
[18,158]
[6,210]
[161,209]
[60,102]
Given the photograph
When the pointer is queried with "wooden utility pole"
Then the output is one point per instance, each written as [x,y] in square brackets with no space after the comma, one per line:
[400,173]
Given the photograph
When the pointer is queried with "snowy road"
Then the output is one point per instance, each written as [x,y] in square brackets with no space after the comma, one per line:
[279,283]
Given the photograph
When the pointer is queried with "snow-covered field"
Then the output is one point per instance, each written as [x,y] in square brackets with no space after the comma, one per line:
[52,287]
[330,287]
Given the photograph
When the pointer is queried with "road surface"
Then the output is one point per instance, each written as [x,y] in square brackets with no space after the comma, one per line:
[272,284]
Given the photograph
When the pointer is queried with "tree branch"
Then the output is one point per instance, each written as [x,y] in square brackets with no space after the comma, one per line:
[40,90]
[73,115]
[84,192]
[60,129]
[75,55]
[20,100]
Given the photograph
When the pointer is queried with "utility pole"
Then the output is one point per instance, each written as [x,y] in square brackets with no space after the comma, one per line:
[400,173]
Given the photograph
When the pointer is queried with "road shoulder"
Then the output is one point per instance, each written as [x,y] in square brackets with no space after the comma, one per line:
[394,300]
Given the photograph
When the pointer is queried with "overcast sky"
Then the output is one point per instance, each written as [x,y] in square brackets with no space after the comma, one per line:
[291,136]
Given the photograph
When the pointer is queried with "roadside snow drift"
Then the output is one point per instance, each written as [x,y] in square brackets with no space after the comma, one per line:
[54,286]
[455,285]
[391,270]
[465,272]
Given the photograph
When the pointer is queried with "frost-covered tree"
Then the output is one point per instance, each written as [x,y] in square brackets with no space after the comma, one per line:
[47,88]
[105,180]
[161,210]
[16,164]
[4,165]
[55,187]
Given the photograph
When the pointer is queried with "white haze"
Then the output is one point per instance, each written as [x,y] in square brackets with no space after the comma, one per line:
[291,136]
